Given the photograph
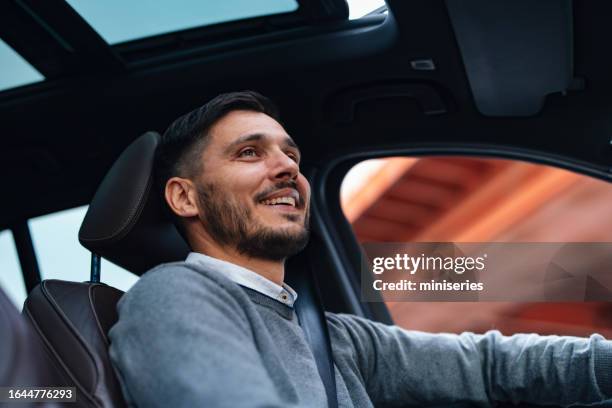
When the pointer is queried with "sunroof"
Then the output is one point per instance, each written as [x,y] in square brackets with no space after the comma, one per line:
[119,20]
[15,70]
[359,8]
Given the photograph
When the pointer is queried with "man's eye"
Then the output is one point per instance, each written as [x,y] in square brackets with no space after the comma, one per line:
[250,152]
[293,157]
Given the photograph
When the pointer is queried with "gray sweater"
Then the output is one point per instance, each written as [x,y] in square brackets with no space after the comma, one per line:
[190,337]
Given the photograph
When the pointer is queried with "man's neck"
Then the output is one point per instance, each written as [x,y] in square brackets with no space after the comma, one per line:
[271,270]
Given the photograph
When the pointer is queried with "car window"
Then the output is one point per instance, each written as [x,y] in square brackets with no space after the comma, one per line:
[61,256]
[11,279]
[470,199]
[360,8]
[118,21]
[16,71]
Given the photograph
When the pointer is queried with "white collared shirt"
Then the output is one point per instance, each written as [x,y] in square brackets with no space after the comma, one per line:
[246,277]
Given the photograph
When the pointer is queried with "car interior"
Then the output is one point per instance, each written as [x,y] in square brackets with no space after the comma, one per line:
[513,80]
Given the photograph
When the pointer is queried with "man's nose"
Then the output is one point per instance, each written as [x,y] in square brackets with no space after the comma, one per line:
[283,166]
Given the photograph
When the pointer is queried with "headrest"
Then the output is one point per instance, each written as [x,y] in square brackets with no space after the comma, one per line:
[125,222]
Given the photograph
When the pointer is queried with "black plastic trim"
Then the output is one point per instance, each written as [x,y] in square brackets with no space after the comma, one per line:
[27,255]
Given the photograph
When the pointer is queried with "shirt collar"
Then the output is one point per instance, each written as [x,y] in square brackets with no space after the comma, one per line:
[246,277]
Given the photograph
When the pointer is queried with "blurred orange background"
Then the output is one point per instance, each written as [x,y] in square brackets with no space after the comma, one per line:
[464,199]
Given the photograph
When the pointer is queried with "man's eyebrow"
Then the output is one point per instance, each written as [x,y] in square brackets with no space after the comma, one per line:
[289,142]
[257,137]
[243,139]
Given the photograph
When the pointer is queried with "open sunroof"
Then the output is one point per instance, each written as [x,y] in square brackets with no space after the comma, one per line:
[15,70]
[359,8]
[118,21]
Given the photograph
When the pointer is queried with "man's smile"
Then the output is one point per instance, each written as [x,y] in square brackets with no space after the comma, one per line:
[284,200]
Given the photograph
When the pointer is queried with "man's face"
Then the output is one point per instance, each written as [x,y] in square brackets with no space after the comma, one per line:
[252,195]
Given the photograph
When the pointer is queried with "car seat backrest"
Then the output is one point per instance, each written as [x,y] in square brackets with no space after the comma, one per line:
[23,361]
[72,319]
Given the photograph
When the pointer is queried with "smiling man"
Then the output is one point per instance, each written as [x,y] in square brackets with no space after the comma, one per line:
[219,329]
[245,200]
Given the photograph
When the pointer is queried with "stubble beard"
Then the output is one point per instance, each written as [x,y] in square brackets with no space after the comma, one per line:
[232,225]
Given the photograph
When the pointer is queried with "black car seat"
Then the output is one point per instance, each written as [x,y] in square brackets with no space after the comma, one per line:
[126,225]
[73,318]
[22,359]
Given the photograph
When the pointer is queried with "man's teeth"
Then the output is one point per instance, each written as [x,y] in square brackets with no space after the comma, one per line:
[280,200]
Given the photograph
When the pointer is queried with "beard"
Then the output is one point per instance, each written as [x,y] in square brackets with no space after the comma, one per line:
[231,224]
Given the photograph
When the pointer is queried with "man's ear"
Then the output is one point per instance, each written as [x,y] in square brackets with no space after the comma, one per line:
[181,196]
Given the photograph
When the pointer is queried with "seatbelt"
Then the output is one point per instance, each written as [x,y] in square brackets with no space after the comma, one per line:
[310,312]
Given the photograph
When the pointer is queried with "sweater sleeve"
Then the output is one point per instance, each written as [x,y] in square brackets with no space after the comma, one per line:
[183,342]
[402,367]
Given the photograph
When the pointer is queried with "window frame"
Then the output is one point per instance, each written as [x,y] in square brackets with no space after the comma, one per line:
[28,261]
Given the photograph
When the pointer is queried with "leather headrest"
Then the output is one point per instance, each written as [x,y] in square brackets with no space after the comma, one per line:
[125,222]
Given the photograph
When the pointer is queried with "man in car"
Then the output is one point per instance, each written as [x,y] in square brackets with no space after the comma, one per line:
[219,329]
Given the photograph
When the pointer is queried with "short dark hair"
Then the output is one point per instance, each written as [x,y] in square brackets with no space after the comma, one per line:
[181,145]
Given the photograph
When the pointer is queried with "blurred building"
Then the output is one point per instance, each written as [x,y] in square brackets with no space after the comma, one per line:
[461,199]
